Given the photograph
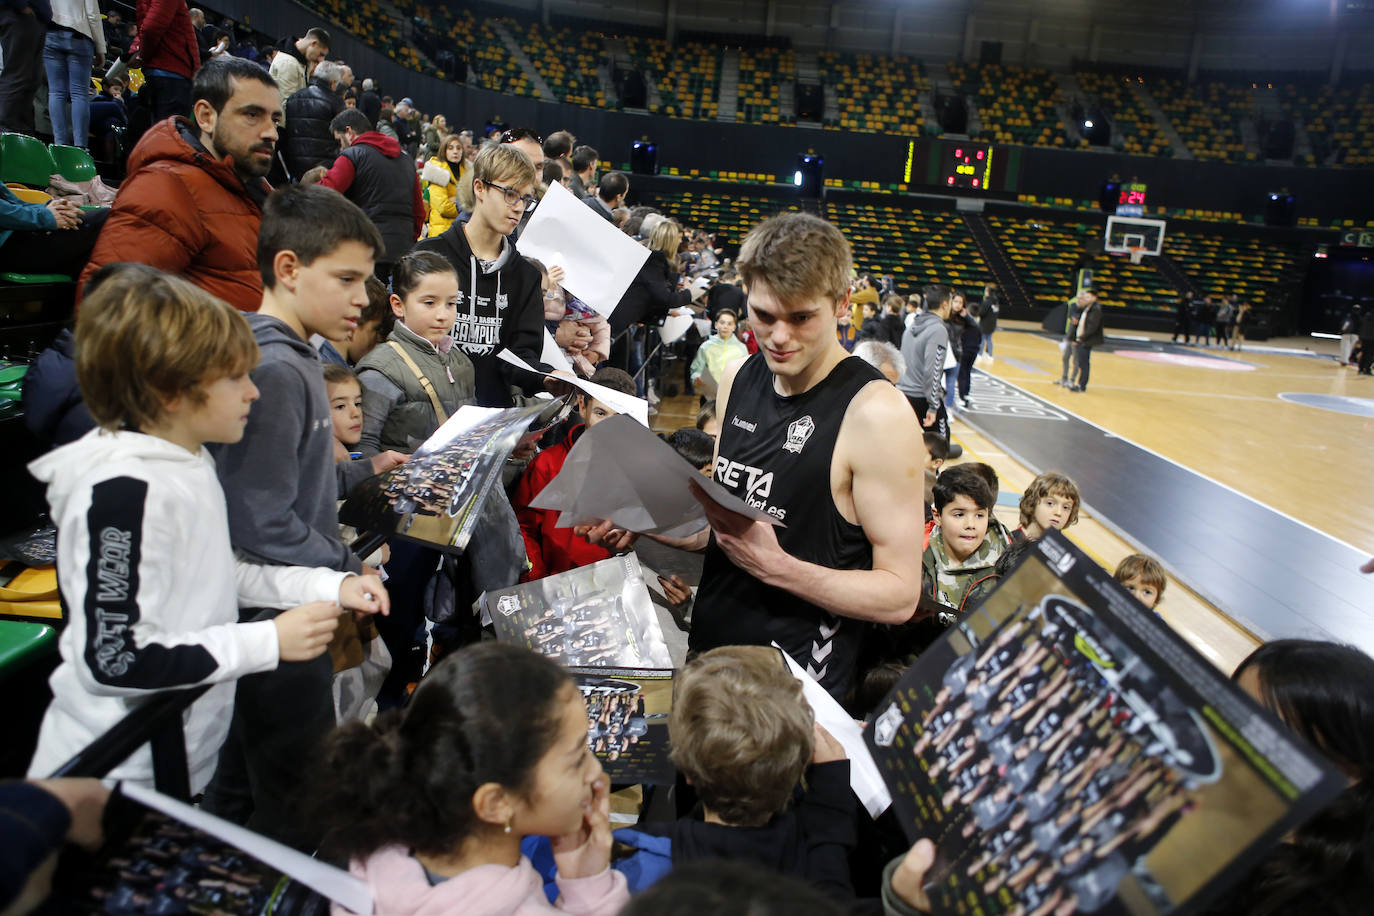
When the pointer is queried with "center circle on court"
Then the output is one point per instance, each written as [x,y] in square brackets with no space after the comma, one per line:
[1359,407]
[1188,360]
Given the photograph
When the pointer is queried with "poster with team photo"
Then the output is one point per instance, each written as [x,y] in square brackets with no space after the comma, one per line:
[597,616]
[1068,753]
[436,497]
[627,722]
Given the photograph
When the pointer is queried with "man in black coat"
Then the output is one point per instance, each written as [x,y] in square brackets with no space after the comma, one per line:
[369,102]
[1088,335]
[308,140]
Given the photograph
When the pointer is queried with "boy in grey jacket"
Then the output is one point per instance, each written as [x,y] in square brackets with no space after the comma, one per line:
[924,344]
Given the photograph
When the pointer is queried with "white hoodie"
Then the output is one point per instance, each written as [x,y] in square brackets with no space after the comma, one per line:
[151,590]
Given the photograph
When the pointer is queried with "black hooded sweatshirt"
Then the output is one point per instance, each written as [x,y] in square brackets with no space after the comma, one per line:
[500,306]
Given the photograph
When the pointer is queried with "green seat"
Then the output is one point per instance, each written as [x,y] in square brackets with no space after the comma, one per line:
[34,279]
[22,642]
[73,163]
[25,160]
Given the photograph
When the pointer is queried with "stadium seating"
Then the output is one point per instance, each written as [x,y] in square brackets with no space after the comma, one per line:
[1207,116]
[1338,121]
[730,217]
[761,71]
[566,59]
[1140,135]
[875,93]
[1247,268]
[1016,104]
[915,246]
[688,79]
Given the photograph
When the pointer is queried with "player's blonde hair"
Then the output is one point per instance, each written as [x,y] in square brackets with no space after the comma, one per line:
[798,257]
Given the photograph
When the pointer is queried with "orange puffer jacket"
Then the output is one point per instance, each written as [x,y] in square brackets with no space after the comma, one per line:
[188,214]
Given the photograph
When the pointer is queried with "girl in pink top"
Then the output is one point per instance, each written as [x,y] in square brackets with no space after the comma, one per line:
[430,804]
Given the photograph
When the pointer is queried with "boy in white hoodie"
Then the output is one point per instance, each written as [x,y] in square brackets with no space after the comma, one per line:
[148,579]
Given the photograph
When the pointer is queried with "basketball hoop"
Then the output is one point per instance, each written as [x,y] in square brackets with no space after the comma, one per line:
[1137,253]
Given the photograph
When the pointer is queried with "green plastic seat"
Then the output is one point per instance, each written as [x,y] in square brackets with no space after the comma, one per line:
[22,642]
[34,279]
[25,160]
[73,163]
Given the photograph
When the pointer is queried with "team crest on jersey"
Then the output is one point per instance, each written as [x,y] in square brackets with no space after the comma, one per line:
[798,433]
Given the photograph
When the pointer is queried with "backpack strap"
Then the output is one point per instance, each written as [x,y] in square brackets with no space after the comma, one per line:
[439,411]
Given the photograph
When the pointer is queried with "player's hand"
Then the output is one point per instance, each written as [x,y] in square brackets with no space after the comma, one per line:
[387,460]
[366,594]
[751,545]
[85,801]
[607,535]
[677,591]
[304,632]
[587,851]
[824,748]
[909,878]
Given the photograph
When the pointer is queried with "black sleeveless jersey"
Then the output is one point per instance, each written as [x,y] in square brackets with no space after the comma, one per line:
[775,454]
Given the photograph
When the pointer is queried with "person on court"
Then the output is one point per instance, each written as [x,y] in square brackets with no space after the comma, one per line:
[822,442]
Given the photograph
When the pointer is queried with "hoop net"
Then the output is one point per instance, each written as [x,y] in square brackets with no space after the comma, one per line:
[1137,253]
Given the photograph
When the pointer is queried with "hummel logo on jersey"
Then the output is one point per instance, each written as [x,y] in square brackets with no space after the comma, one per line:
[798,433]
[743,424]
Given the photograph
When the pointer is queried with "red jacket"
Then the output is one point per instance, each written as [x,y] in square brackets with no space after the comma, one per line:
[551,549]
[185,213]
[166,39]
[341,174]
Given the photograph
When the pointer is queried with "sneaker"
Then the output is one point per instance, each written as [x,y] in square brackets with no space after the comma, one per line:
[1076,387]
[965,403]
[1063,383]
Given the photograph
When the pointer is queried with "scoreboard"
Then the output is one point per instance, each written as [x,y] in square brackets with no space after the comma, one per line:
[1131,201]
[963,165]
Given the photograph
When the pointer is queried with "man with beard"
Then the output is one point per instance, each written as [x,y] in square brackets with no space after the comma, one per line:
[192,202]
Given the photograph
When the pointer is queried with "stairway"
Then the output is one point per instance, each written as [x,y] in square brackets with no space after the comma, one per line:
[1173,274]
[1147,101]
[538,82]
[729,85]
[1013,290]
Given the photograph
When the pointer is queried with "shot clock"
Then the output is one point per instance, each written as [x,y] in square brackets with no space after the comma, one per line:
[1131,201]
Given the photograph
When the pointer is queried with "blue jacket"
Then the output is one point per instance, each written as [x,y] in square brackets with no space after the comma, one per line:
[15,214]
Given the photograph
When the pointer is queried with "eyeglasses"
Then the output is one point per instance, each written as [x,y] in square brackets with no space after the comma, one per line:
[516,134]
[513,196]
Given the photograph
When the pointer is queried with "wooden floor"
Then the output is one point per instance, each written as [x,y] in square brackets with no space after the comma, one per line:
[1220,416]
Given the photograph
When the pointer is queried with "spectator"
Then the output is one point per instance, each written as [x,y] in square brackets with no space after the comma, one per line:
[845,331]
[350,98]
[654,291]
[51,238]
[290,67]
[882,356]
[717,352]
[404,119]
[1088,335]
[345,75]
[1143,577]
[527,142]
[386,123]
[559,145]
[553,174]
[441,177]
[308,141]
[116,45]
[1183,322]
[502,297]
[1366,341]
[987,315]
[369,103]
[166,51]
[372,172]
[1350,335]
[584,160]
[960,551]
[1226,315]
[1051,501]
[924,347]
[1073,312]
[434,133]
[970,341]
[610,193]
[75,41]
[864,294]
[552,549]
[23,24]
[725,293]
[192,202]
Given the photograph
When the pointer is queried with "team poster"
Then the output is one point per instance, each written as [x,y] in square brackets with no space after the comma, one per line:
[1069,754]
[627,722]
[597,616]
[436,497]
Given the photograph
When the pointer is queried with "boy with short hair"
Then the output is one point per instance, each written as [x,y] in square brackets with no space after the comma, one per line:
[282,485]
[1051,501]
[960,552]
[743,736]
[552,549]
[144,559]
[1142,576]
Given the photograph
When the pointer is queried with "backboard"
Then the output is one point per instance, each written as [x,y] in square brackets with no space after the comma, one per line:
[1127,232]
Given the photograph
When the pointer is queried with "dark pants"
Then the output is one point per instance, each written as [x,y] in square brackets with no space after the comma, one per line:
[409,572]
[272,754]
[1082,359]
[1223,333]
[171,95]
[941,424]
[966,360]
[53,251]
[21,43]
[1366,354]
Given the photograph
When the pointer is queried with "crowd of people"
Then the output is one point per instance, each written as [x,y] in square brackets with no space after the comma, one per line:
[299,281]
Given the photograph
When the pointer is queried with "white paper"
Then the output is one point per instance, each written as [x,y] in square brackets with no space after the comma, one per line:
[621,472]
[436,174]
[674,326]
[864,776]
[599,261]
[552,355]
[619,402]
[703,326]
[338,885]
